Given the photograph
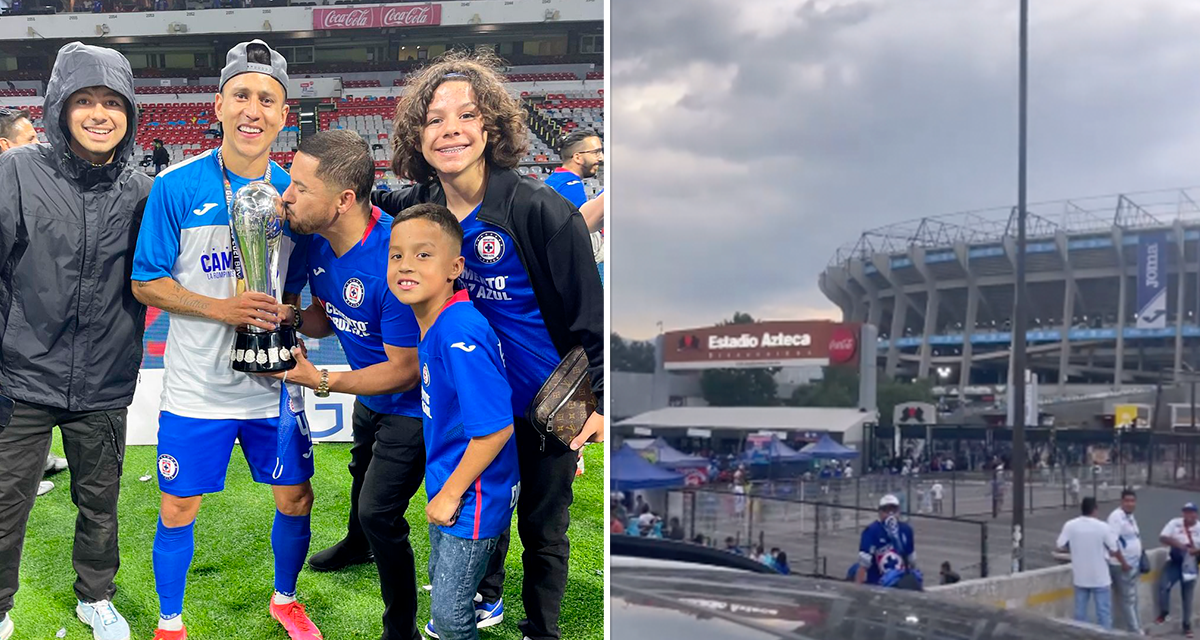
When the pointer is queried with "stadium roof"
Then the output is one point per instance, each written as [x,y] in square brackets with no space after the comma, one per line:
[827,419]
[1099,214]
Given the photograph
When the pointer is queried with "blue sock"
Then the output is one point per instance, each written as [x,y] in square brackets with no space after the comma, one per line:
[290,536]
[173,549]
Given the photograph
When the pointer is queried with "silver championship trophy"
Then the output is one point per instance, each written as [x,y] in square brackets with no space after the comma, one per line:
[256,221]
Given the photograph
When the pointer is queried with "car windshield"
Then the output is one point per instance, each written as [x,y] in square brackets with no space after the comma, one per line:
[702,603]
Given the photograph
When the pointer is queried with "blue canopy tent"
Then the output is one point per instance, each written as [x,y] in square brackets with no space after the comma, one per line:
[631,471]
[774,451]
[780,460]
[673,458]
[827,449]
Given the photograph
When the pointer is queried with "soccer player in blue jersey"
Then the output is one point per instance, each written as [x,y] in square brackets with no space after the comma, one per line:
[347,273]
[471,475]
[183,266]
[582,154]
[530,271]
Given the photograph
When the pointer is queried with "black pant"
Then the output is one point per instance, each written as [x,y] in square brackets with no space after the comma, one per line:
[394,473]
[95,447]
[543,515]
[363,426]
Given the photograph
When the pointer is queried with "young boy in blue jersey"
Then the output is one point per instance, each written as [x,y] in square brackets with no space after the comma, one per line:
[182,265]
[347,274]
[471,474]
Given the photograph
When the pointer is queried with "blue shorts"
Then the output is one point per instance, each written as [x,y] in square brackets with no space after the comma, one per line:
[193,453]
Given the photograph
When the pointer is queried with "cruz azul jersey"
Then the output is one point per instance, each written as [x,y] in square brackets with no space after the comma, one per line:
[879,552]
[353,292]
[501,291]
[464,395]
[568,185]
[185,236]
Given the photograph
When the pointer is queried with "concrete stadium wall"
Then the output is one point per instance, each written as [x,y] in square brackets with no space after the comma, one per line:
[1051,592]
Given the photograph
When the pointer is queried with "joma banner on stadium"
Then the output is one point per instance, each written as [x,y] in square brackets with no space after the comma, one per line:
[1152,281]
[406,15]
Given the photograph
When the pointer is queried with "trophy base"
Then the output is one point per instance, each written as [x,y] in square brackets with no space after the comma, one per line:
[266,352]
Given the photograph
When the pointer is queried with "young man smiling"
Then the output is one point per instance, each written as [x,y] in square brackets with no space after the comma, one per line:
[183,266]
[72,330]
[530,271]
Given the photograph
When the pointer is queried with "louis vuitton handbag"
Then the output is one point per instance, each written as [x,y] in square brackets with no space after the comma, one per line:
[565,400]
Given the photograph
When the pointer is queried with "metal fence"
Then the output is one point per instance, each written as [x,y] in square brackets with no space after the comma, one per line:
[955,494]
[822,538]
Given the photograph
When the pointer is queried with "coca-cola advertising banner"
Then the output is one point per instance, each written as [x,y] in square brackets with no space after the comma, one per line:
[402,15]
[763,344]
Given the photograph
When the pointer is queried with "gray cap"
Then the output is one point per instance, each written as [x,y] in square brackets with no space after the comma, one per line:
[236,64]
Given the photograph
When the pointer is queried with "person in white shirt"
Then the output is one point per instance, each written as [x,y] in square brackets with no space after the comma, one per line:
[937,490]
[1129,540]
[848,473]
[1091,543]
[1182,535]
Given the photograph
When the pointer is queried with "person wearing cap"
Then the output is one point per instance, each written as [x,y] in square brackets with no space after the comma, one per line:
[886,544]
[1091,543]
[72,330]
[184,266]
[1182,536]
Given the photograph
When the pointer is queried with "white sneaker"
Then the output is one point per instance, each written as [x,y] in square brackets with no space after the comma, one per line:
[104,620]
[54,464]
[6,628]
[44,487]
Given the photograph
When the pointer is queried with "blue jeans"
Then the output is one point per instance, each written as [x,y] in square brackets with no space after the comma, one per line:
[456,567]
[1125,587]
[1171,573]
[1103,598]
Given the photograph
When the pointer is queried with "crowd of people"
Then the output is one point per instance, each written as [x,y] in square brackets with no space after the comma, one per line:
[1108,560]
[455,300]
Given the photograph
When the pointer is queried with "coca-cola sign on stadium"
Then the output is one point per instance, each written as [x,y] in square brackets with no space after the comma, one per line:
[404,15]
[763,344]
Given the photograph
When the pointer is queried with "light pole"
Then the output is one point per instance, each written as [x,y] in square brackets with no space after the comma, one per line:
[1020,311]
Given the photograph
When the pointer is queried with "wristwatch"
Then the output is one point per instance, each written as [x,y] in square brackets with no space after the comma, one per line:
[323,386]
[298,320]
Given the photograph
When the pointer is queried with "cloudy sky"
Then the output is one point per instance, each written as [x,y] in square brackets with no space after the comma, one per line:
[750,139]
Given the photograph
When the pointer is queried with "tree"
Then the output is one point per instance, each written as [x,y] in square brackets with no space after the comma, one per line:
[739,387]
[895,392]
[632,355]
[838,387]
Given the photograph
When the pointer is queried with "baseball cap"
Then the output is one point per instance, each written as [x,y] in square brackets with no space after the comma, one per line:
[889,501]
[1191,506]
[237,63]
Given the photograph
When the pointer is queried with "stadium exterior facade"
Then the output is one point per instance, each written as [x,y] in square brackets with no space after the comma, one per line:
[1112,284]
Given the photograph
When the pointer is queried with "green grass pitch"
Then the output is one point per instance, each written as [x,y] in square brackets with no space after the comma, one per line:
[230,581]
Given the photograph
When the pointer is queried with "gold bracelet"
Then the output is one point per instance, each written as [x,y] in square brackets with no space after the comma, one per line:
[323,386]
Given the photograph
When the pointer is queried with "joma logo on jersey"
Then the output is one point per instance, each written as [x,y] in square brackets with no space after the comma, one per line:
[218,264]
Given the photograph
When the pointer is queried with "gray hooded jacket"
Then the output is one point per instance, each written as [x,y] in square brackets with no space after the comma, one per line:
[71,328]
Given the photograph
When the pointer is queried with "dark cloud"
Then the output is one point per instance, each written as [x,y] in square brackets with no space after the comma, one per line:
[751,139]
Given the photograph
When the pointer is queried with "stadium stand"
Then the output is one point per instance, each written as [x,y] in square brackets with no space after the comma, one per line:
[181,115]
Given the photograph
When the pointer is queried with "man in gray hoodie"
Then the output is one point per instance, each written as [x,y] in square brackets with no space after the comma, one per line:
[70,328]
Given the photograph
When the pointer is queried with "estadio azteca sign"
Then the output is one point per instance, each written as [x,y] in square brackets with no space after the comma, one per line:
[403,15]
[763,344]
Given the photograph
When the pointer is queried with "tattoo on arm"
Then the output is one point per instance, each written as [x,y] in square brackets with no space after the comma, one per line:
[186,302]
